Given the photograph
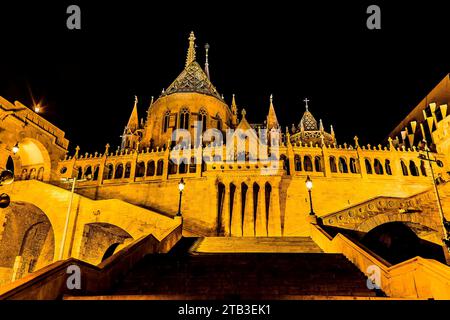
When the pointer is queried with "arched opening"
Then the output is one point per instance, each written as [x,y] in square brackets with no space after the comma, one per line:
[413,168]
[404,168]
[87,172]
[192,165]
[118,174]
[387,166]
[100,241]
[343,165]
[397,242]
[307,163]
[378,167]
[333,166]
[150,168]
[353,166]
[184,119]
[267,194]
[108,173]
[368,166]
[10,164]
[140,169]
[27,242]
[423,170]
[244,189]
[96,171]
[318,163]
[173,167]
[166,121]
[160,167]
[32,154]
[127,170]
[298,163]
[285,163]
[40,174]
[182,167]
[202,116]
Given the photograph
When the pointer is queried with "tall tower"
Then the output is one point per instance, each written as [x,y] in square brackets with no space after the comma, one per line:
[132,133]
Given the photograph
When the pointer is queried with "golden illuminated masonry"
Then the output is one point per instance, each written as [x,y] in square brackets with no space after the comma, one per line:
[257,190]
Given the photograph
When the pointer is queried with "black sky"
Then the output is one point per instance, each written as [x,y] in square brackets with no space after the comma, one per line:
[361,81]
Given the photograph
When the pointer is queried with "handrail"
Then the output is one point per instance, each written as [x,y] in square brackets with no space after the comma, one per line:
[49,283]
[413,278]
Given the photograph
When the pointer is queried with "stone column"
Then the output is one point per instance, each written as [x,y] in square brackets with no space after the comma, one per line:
[226,211]
[274,222]
[261,222]
[236,216]
[249,221]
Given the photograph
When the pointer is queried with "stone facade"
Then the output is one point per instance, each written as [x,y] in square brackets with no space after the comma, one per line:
[127,193]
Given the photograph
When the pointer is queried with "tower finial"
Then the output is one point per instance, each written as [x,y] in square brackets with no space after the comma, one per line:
[271,99]
[135,100]
[306,100]
[206,60]
[191,50]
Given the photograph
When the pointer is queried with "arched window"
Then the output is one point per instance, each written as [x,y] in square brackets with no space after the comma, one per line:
[127,170]
[166,121]
[119,171]
[353,166]
[205,161]
[108,173]
[202,117]
[40,174]
[96,171]
[368,166]
[219,122]
[192,165]
[298,163]
[173,167]
[333,166]
[184,119]
[307,163]
[285,163]
[318,163]
[182,166]
[343,165]
[88,172]
[377,167]
[150,168]
[404,168]
[387,166]
[160,167]
[140,169]
[413,168]
[79,173]
[423,170]
[24,174]
[32,174]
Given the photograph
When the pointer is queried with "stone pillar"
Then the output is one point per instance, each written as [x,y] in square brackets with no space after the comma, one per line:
[326,161]
[165,174]
[274,222]
[226,211]
[249,221]
[236,216]
[261,222]
[17,268]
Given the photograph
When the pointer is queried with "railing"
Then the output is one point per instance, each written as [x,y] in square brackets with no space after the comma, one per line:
[414,278]
[49,283]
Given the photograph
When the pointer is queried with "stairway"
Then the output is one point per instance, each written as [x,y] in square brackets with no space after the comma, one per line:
[183,274]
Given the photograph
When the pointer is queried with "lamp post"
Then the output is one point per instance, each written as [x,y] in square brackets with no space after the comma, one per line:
[69,209]
[426,157]
[6,177]
[16,148]
[309,186]
[181,188]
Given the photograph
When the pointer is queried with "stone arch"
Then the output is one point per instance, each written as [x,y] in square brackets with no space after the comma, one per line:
[140,169]
[27,240]
[32,154]
[397,241]
[413,168]
[368,166]
[98,239]
[307,163]
[383,218]
[343,168]
[318,164]
[333,166]
[297,163]
[353,166]
[118,172]
[378,167]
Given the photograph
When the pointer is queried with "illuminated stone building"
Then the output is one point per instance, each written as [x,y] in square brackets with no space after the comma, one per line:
[361,191]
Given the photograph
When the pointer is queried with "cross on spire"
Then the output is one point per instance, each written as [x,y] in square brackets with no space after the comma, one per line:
[306,100]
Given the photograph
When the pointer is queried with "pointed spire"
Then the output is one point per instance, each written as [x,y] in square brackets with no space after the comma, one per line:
[151,102]
[234,111]
[320,125]
[243,112]
[233,104]
[206,61]
[191,50]
[272,121]
[133,122]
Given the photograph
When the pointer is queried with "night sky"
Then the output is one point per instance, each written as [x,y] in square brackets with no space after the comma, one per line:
[361,81]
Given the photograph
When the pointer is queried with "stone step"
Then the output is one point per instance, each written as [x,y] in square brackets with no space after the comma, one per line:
[256,244]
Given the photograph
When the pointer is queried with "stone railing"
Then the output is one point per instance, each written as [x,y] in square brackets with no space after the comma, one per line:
[415,278]
[49,283]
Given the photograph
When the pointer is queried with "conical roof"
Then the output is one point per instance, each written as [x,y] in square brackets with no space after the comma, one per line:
[308,121]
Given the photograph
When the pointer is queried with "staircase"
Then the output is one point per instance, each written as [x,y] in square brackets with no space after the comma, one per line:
[188,271]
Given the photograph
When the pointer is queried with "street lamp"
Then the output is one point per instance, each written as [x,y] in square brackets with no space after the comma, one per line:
[15,149]
[309,186]
[69,209]
[445,223]
[181,188]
